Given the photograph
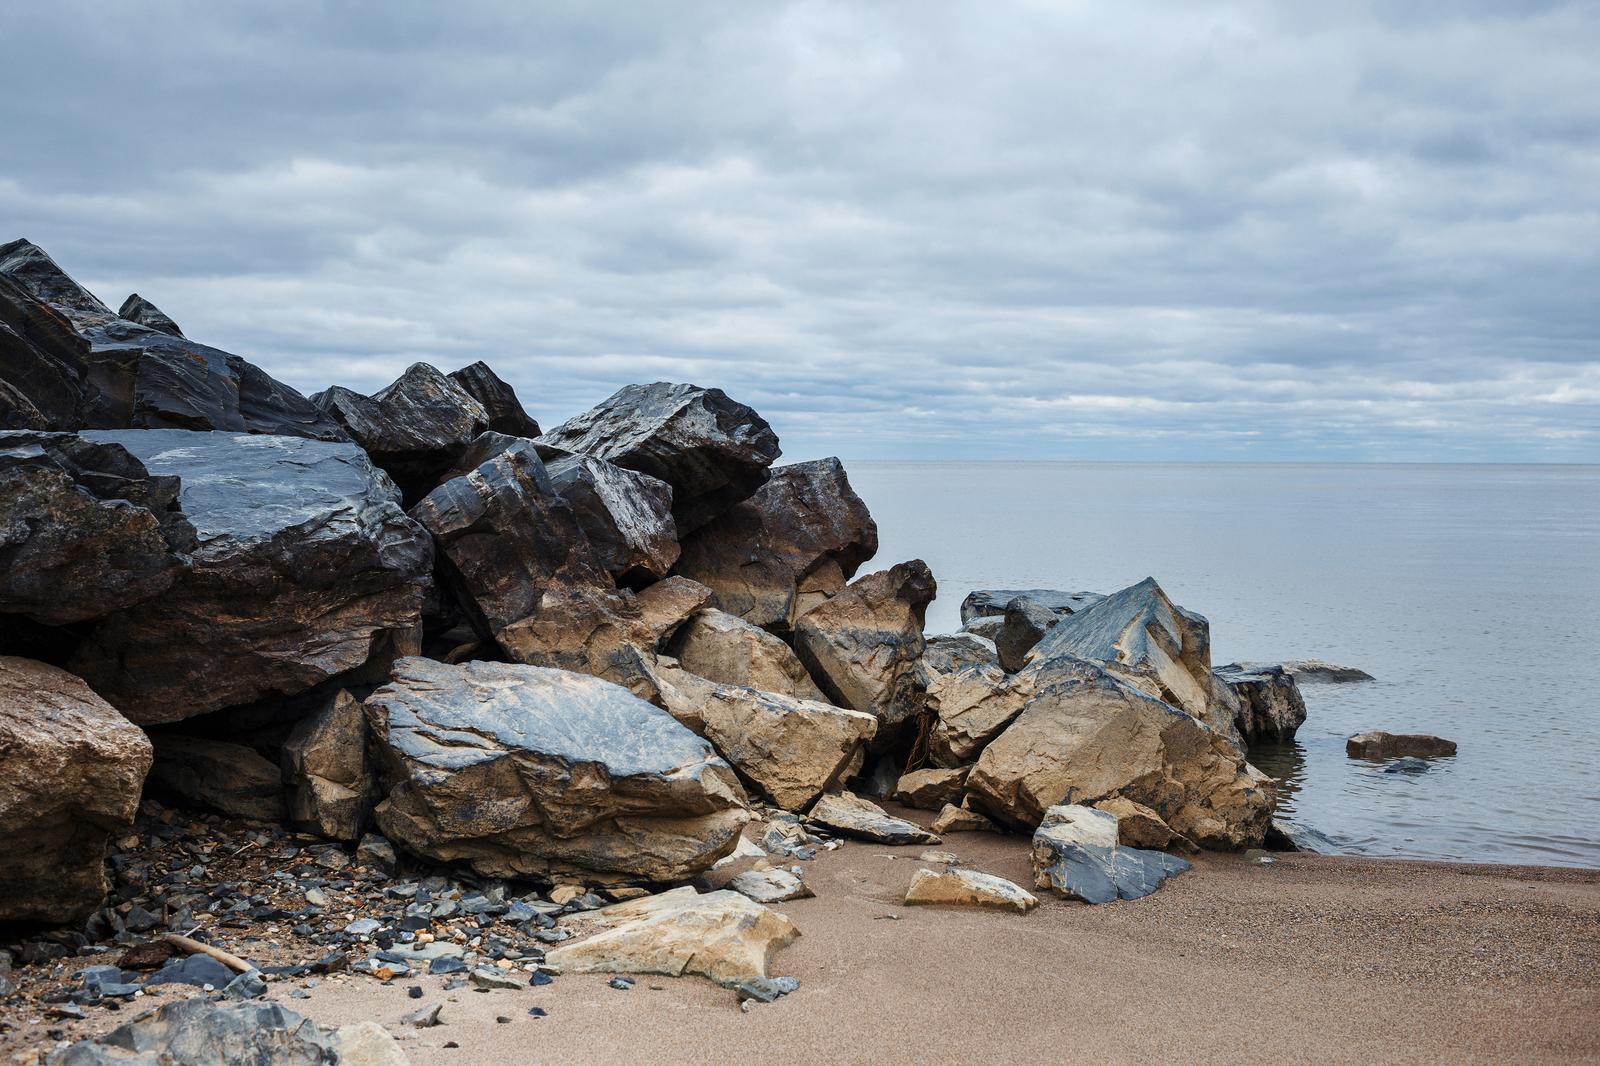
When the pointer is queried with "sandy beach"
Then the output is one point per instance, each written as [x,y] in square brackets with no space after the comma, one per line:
[1313,959]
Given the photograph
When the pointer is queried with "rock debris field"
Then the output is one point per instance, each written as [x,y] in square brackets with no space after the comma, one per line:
[374,728]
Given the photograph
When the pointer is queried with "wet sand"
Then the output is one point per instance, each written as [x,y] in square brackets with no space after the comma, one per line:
[1313,959]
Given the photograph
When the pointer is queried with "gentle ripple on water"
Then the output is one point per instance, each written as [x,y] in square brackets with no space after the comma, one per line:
[1471,592]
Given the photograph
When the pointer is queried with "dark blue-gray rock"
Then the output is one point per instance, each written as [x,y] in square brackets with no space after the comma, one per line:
[712,450]
[538,978]
[622,983]
[523,770]
[16,410]
[42,363]
[247,985]
[626,515]
[447,964]
[949,653]
[374,852]
[306,567]
[1407,766]
[197,970]
[847,815]
[135,376]
[1313,671]
[414,991]
[1076,856]
[139,920]
[415,428]
[85,529]
[331,785]
[793,544]
[1026,622]
[137,309]
[538,1012]
[231,779]
[1271,708]
[1142,637]
[71,769]
[499,400]
[760,989]
[986,603]
[862,646]
[1297,836]
[1087,735]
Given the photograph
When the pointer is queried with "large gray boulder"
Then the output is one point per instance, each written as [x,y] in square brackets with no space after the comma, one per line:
[84,366]
[1027,621]
[626,515]
[305,564]
[70,772]
[712,450]
[522,770]
[1076,855]
[85,530]
[862,646]
[1087,735]
[1271,708]
[332,787]
[725,648]
[231,779]
[414,428]
[991,603]
[499,400]
[1145,639]
[789,547]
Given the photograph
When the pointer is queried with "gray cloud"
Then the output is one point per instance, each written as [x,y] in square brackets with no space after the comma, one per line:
[1136,230]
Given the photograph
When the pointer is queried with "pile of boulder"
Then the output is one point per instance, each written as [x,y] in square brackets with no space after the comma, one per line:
[572,657]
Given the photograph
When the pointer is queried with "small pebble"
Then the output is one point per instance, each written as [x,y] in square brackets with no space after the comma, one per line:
[502,1020]
[415,991]
[623,983]
[538,1012]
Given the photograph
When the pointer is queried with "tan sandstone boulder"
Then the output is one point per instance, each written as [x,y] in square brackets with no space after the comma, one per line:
[721,936]
[1137,825]
[332,788]
[974,705]
[1087,736]
[862,646]
[70,772]
[953,819]
[725,648]
[968,888]
[932,788]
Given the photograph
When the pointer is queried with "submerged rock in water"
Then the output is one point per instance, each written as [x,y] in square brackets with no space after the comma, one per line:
[71,774]
[1311,671]
[1380,745]
[1407,766]
[524,770]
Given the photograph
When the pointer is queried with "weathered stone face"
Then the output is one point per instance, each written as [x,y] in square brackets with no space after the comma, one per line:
[974,705]
[968,888]
[1271,708]
[930,789]
[1076,855]
[84,528]
[713,451]
[725,648]
[852,816]
[789,547]
[1087,735]
[304,564]
[71,769]
[521,769]
[499,400]
[626,515]
[862,646]
[332,788]
[1148,641]
[414,428]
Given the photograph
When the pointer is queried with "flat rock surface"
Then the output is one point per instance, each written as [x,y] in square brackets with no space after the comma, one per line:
[968,888]
[1463,964]
[853,817]
[992,602]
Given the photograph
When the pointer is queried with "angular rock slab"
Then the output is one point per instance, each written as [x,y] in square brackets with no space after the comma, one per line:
[974,705]
[137,309]
[134,376]
[1271,708]
[930,789]
[991,603]
[953,819]
[721,936]
[845,814]
[1137,825]
[948,653]
[1027,621]
[499,400]
[726,649]
[1076,856]
[713,451]
[415,427]
[305,565]
[1310,671]
[332,787]
[789,547]
[229,778]
[1087,735]
[968,888]
[626,515]
[526,770]
[70,772]
[1153,644]
[84,528]
[862,646]
[769,886]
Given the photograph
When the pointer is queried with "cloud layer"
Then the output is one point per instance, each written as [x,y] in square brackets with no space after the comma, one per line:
[1184,230]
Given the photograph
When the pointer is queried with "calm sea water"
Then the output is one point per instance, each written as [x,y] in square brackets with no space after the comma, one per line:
[1472,593]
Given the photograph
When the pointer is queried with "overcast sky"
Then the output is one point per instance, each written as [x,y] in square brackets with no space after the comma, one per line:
[1115,230]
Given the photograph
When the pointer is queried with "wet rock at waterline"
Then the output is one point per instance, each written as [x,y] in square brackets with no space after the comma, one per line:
[1297,836]
[793,544]
[1271,708]
[70,774]
[712,450]
[1076,855]
[305,568]
[1380,745]
[991,603]
[525,770]
[1145,639]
